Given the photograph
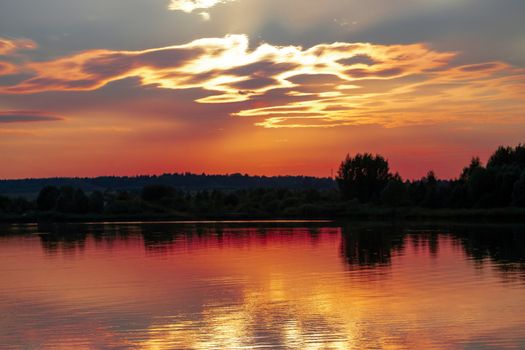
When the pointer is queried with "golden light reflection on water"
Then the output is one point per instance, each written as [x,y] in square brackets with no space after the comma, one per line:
[160,287]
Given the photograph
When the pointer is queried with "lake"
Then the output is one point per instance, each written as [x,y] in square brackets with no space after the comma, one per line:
[273,285]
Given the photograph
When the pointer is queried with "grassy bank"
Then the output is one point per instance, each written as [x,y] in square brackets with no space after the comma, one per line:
[363,212]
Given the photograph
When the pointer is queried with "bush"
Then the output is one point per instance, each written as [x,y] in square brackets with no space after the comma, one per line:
[395,193]
[155,193]
[47,198]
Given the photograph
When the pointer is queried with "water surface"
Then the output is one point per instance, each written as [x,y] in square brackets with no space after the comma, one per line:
[270,285]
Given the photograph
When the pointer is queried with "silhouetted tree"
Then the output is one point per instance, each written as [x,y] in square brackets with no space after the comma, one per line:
[505,165]
[467,172]
[395,193]
[518,193]
[96,202]
[17,205]
[47,198]
[20,205]
[81,202]
[363,176]
[66,200]
[5,204]
[480,188]
[459,195]
[504,182]
[157,192]
[123,196]
[231,200]
[505,156]
[430,182]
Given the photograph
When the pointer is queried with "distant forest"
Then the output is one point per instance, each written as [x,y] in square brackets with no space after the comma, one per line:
[364,186]
[184,181]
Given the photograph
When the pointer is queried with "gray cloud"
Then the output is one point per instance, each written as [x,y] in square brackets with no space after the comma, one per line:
[489,29]
[8,117]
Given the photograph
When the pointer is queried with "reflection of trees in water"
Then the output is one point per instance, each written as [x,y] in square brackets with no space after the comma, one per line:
[164,238]
[373,246]
[71,238]
[427,241]
[503,245]
[56,237]
[362,246]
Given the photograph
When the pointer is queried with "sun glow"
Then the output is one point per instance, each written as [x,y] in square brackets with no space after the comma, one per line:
[192,5]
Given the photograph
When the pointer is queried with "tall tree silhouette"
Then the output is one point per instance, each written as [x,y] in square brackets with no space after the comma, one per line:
[363,176]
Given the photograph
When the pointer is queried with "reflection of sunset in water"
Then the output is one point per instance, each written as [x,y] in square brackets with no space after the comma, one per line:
[174,287]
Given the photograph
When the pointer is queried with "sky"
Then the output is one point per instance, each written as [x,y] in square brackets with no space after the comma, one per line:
[127,87]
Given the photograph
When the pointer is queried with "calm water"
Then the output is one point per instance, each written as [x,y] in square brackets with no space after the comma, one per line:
[272,285]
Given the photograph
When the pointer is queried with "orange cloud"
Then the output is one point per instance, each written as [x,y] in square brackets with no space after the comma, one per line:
[6,68]
[288,86]
[9,46]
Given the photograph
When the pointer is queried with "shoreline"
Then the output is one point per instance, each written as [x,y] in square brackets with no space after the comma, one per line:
[511,214]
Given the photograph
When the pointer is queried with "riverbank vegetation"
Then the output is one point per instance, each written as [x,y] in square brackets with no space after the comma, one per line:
[366,188]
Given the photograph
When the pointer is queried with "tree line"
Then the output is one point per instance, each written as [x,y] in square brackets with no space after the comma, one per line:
[184,181]
[499,183]
[363,180]
[162,199]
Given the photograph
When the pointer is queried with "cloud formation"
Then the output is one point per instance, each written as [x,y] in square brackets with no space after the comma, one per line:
[10,46]
[192,5]
[8,117]
[6,68]
[288,86]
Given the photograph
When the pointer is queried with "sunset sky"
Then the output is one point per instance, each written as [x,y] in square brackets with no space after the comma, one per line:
[128,87]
